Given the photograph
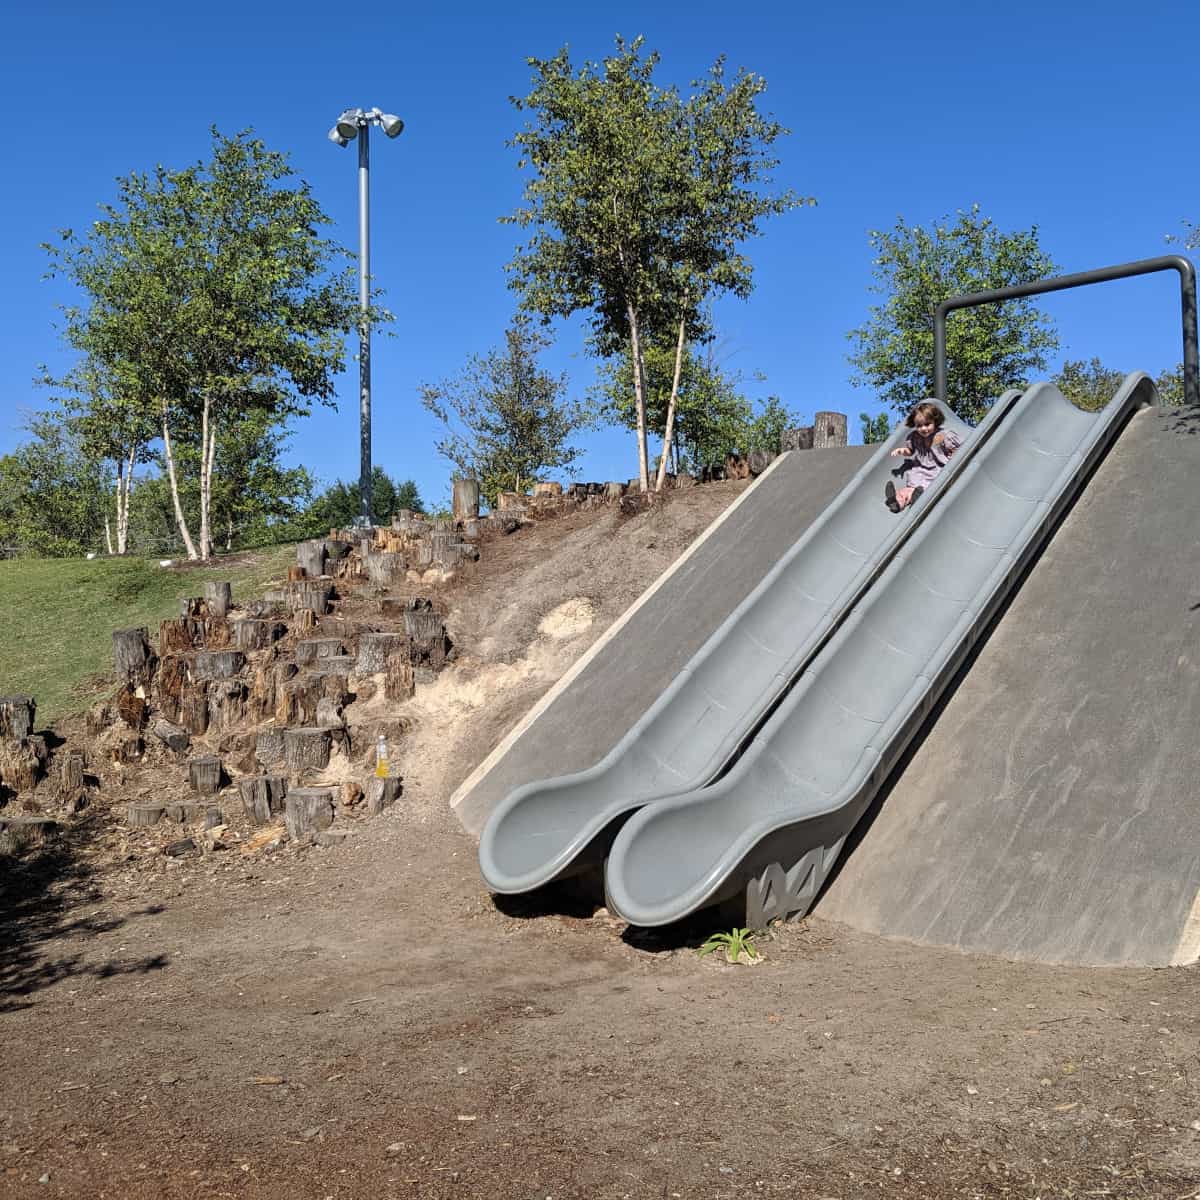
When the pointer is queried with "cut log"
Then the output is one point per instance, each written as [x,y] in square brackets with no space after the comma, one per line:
[143,813]
[205,774]
[311,556]
[800,438]
[336,627]
[226,704]
[308,811]
[339,664]
[829,429]
[71,778]
[263,796]
[218,597]
[268,747]
[311,649]
[306,749]
[296,701]
[175,737]
[257,634]
[380,793]
[464,498]
[398,681]
[218,664]
[423,624]
[335,548]
[310,595]
[21,763]
[384,569]
[376,649]
[133,658]
[193,708]
[131,708]
[329,713]
[185,811]
[17,715]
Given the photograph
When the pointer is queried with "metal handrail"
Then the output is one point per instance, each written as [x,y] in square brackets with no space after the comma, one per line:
[1144,266]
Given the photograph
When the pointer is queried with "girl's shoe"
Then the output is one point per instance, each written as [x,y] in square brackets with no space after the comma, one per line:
[917,493]
[889,496]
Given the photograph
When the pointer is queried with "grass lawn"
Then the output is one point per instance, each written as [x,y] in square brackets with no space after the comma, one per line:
[57,616]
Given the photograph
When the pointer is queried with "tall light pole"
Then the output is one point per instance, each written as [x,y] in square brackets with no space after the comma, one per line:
[356,123]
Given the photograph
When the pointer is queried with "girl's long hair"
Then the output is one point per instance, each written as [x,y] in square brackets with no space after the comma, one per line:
[927,409]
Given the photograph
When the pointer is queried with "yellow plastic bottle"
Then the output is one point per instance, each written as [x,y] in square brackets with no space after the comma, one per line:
[381,757]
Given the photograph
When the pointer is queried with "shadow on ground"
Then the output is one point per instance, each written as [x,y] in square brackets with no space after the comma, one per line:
[43,897]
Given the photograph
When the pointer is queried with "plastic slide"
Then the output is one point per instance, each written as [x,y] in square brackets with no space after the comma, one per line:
[773,826]
[547,829]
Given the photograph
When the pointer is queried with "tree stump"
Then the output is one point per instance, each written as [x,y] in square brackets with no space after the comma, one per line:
[143,814]
[423,624]
[218,597]
[800,438]
[380,793]
[133,657]
[21,764]
[170,680]
[296,701]
[471,527]
[17,716]
[193,708]
[329,713]
[336,627]
[191,606]
[131,707]
[464,498]
[829,429]
[218,664]
[72,784]
[383,569]
[308,811]
[179,636]
[311,556]
[306,749]
[263,796]
[398,683]
[335,549]
[311,649]
[310,595]
[205,774]
[175,737]
[339,664]
[226,704]
[257,634]
[183,811]
[375,649]
[268,747]
[217,633]
[759,461]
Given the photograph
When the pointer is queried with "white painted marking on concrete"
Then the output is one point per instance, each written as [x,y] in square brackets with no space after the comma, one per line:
[481,771]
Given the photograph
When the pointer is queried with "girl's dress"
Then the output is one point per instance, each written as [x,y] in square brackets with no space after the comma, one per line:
[928,458]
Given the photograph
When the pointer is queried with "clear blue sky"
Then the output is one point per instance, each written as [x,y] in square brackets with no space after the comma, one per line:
[1077,116]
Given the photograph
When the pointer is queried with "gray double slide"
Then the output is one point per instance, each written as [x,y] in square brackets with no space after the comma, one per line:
[874,613]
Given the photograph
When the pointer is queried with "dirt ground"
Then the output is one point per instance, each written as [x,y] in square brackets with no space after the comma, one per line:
[365,1021]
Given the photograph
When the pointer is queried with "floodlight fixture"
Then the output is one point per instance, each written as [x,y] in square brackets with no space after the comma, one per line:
[356,123]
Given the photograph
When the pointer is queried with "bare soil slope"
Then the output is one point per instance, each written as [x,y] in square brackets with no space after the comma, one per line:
[364,1021]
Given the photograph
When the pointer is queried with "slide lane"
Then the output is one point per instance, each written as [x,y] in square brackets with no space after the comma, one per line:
[774,825]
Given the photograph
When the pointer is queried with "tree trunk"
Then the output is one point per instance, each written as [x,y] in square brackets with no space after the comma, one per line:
[639,396]
[133,658]
[308,810]
[380,793]
[311,556]
[669,434]
[204,774]
[312,649]
[17,716]
[208,446]
[218,597]
[218,664]
[263,796]
[464,499]
[108,542]
[180,519]
[306,749]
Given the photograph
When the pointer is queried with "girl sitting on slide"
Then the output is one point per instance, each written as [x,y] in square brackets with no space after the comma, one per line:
[926,451]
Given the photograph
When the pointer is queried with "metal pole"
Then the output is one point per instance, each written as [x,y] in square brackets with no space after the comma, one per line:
[1145,266]
[364,323]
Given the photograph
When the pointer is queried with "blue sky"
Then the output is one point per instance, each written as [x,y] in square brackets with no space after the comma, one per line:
[1077,116]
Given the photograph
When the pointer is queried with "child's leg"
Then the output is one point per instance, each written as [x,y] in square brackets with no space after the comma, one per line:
[904,496]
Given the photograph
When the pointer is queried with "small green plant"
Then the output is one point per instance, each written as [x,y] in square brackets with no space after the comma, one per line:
[738,945]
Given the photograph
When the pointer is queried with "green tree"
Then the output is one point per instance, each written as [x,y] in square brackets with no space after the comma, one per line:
[1088,385]
[53,496]
[639,201]
[211,301]
[1170,386]
[989,349]
[875,429]
[338,505]
[507,420]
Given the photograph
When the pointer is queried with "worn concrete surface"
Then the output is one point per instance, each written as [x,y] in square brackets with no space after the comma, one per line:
[1052,811]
